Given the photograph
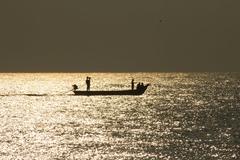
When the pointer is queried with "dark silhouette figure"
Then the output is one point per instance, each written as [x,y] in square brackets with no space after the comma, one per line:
[88,83]
[132,84]
[75,87]
[141,86]
[138,86]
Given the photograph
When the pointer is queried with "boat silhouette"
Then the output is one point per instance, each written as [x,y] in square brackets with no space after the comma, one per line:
[138,91]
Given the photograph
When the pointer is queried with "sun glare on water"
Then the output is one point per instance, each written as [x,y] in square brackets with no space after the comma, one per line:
[180,116]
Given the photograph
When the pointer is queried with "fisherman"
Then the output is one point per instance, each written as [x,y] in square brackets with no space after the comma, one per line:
[88,83]
[141,86]
[138,86]
[75,87]
[132,84]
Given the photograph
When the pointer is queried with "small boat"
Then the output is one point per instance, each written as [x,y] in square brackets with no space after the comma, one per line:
[138,91]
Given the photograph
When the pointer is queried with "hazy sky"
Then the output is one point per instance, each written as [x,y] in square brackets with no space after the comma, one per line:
[119,35]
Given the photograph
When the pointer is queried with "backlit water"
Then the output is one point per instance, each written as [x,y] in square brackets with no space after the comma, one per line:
[180,116]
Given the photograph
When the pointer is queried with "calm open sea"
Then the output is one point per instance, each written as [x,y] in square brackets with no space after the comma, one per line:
[180,116]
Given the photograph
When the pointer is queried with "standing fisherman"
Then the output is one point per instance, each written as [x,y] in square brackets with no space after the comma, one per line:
[88,83]
[132,84]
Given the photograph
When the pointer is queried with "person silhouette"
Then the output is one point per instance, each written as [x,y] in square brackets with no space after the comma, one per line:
[88,83]
[138,86]
[75,87]
[141,86]
[132,83]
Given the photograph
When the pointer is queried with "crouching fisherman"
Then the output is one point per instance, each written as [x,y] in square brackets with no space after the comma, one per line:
[75,87]
[140,86]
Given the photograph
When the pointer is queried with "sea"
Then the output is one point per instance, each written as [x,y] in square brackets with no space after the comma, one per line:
[180,116]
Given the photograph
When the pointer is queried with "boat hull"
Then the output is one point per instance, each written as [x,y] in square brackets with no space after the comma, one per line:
[108,93]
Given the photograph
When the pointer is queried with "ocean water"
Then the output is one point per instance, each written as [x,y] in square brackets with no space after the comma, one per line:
[180,116]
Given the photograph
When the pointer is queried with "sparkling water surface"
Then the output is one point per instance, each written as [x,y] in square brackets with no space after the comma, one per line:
[180,116]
